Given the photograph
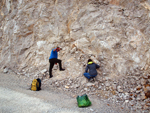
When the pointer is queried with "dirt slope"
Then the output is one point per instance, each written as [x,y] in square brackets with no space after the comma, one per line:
[15,97]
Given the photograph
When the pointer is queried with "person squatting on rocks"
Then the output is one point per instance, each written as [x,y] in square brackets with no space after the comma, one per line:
[53,60]
[92,69]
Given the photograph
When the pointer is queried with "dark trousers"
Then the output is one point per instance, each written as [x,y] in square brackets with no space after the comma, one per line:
[52,62]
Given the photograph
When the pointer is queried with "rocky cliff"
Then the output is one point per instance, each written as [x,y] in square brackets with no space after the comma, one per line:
[114,33]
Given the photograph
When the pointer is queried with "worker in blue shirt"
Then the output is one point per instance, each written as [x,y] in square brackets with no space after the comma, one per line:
[53,60]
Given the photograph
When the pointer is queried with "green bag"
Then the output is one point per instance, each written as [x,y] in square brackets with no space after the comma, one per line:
[83,101]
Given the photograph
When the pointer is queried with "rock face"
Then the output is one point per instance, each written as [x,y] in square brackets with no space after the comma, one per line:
[111,32]
[114,33]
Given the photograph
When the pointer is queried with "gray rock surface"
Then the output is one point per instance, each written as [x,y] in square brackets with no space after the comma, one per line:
[112,35]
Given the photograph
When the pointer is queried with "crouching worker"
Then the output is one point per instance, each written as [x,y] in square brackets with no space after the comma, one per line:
[53,60]
[90,71]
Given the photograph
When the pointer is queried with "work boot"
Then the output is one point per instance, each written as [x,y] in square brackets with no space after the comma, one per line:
[50,76]
[62,69]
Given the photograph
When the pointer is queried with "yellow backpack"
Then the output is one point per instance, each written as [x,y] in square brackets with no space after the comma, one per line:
[34,85]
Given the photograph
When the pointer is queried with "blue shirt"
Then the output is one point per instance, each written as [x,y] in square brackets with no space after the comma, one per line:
[53,54]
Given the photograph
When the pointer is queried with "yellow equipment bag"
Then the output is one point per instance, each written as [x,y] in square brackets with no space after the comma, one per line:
[34,85]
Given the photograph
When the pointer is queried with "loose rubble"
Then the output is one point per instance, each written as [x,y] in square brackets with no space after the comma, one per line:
[131,91]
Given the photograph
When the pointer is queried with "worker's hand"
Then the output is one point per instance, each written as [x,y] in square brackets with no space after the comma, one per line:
[58,49]
[54,49]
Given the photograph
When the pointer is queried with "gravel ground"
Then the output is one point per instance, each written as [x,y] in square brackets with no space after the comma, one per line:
[15,97]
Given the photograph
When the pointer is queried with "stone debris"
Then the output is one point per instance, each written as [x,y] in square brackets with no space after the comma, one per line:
[5,70]
[67,87]
[128,94]
[44,71]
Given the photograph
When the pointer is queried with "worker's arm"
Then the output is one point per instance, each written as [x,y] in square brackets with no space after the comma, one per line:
[86,69]
[97,66]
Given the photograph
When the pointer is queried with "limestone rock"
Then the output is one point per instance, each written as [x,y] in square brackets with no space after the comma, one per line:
[91,29]
[5,70]
[107,84]
[67,87]
[44,70]
[89,84]
[119,88]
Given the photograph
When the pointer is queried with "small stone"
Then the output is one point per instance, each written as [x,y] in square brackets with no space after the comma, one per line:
[142,103]
[107,84]
[76,86]
[68,84]
[147,94]
[148,104]
[83,82]
[126,13]
[131,103]
[132,81]
[5,70]
[99,87]
[67,87]
[91,109]
[73,50]
[132,90]
[108,78]
[138,91]
[107,88]
[89,84]
[100,81]
[126,101]
[119,89]
[114,86]
[57,84]
[138,98]
[115,82]
[43,71]
[85,89]
[146,67]
[146,107]
[70,81]
[148,87]
[138,87]
[143,81]
[146,77]
[113,92]
[119,99]
[142,95]
[96,84]
[138,106]
[126,96]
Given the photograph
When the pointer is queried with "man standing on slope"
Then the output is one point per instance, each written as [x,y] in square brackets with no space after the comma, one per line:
[53,59]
